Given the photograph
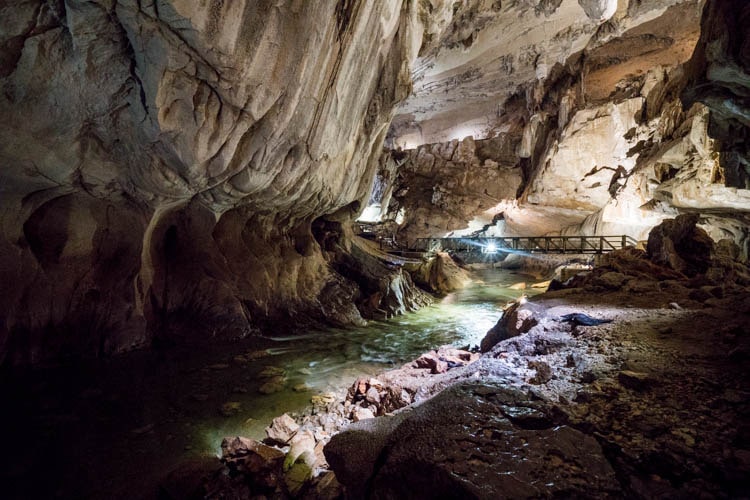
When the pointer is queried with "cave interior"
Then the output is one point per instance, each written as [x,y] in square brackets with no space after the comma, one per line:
[375,249]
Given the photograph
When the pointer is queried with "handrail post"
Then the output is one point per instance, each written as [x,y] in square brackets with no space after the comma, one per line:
[623,240]
[601,244]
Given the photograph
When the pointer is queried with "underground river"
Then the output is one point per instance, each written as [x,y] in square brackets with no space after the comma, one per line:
[114,428]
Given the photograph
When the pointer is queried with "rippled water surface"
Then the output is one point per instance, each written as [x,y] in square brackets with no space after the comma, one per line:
[111,430]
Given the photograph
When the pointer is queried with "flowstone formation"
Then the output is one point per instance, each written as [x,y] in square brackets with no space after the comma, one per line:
[163,163]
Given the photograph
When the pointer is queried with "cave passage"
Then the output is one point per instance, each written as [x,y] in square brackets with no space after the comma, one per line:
[112,428]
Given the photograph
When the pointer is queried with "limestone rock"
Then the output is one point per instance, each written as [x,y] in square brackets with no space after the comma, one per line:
[441,275]
[359,413]
[516,320]
[163,162]
[432,362]
[679,244]
[282,429]
[543,372]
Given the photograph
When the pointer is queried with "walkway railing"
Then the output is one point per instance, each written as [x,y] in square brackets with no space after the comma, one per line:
[528,244]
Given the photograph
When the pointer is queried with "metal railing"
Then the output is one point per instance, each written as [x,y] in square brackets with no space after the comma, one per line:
[528,244]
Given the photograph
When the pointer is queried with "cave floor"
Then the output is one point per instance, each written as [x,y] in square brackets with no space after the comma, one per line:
[663,389]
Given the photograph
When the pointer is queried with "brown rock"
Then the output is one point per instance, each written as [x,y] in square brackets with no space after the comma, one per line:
[431,361]
[261,464]
[282,429]
[543,372]
[372,396]
[681,245]
[516,320]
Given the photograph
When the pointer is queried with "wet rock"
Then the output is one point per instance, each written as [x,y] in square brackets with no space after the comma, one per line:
[441,275]
[273,385]
[302,443]
[426,450]
[282,429]
[432,362]
[296,477]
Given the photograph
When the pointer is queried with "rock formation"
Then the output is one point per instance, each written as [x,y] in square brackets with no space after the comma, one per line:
[605,140]
[170,168]
[163,163]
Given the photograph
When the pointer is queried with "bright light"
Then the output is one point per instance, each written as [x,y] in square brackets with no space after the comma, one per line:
[490,247]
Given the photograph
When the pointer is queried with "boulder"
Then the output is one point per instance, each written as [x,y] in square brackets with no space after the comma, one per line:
[282,429]
[516,320]
[679,244]
[360,413]
[610,280]
[431,361]
[441,275]
[426,451]
[260,464]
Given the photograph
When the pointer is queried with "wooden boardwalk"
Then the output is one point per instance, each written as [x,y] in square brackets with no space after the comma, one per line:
[527,244]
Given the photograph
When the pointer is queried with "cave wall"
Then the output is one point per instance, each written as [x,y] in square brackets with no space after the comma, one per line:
[438,187]
[607,142]
[162,163]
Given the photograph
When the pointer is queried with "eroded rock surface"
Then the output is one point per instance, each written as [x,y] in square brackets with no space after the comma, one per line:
[163,163]
[455,444]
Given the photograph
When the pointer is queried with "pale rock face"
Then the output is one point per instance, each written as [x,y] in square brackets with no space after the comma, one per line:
[599,10]
[590,157]
[163,161]
[465,83]
[611,150]
[440,186]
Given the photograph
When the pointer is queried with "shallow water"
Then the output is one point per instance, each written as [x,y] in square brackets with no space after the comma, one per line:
[113,429]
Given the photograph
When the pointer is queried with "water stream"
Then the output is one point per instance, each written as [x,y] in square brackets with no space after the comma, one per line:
[112,429]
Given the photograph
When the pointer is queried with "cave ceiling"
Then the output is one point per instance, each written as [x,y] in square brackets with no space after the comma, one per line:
[487,51]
